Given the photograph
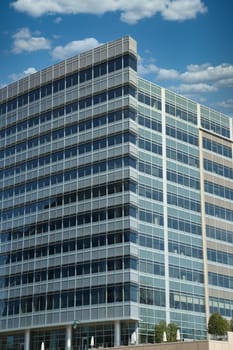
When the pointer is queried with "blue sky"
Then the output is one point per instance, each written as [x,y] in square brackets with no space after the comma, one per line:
[184,45]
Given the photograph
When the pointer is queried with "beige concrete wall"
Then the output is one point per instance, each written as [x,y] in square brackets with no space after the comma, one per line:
[222,345]
[186,345]
[194,345]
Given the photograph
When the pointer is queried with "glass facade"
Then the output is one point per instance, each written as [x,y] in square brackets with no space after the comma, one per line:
[116,206]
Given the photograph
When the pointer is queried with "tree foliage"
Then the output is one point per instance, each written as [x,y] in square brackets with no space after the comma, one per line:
[231,325]
[159,330]
[217,324]
[170,330]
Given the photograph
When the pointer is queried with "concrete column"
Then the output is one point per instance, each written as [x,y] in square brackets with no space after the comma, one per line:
[165,210]
[69,337]
[136,331]
[117,333]
[27,339]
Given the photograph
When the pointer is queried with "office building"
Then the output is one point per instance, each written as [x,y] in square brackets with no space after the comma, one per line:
[116,206]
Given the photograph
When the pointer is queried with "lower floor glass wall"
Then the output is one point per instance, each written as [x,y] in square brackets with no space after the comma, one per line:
[55,339]
[12,342]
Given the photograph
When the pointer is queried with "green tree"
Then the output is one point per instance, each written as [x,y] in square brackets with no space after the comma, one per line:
[231,325]
[159,329]
[217,325]
[171,332]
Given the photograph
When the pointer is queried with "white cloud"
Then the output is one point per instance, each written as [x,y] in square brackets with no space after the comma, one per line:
[197,67]
[135,10]
[24,41]
[167,74]
[181,10]
[58,20]
[196,78]
[26,72]
[130,11]
[228,104]
[227,82]
[146,68]
[206,72]
[30,70]
[74,48]
[193,88]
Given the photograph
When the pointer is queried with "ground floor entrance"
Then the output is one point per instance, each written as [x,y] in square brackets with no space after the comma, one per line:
[70,337]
